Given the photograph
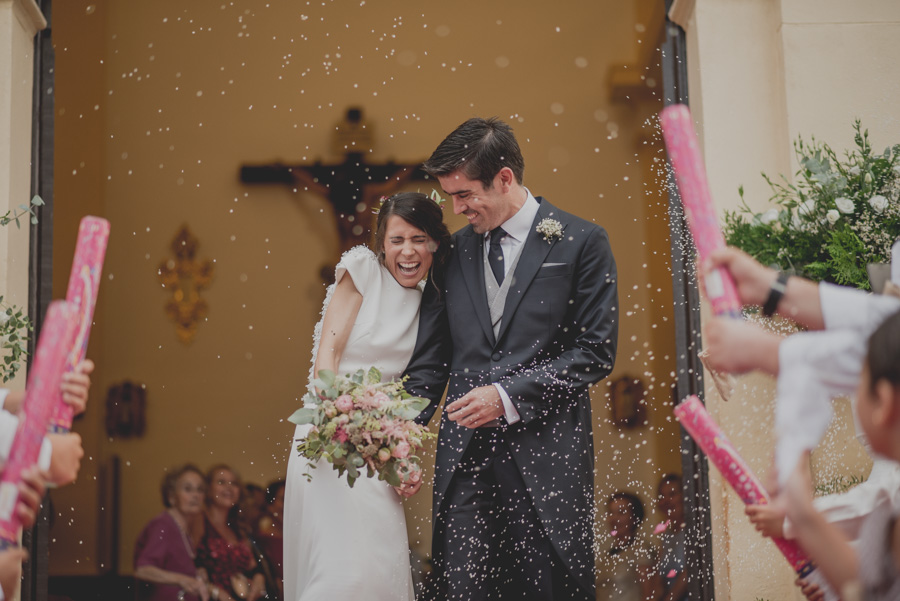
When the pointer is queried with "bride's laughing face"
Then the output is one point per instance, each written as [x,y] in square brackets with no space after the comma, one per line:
[408,251]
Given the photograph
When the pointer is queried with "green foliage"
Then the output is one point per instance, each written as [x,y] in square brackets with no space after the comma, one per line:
[834,218]
[14,325]
[14,329]
[23,210]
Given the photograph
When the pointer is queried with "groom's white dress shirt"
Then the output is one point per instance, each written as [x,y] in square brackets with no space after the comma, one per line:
[517,229]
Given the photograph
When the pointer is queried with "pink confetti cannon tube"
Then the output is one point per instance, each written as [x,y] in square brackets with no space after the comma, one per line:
[709,437]
[690,175]
[41,392]
[84,283]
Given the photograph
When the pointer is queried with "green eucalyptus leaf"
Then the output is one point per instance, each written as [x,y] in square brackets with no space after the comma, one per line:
[319,384]
[304,415]
[391,476]
[407,413]
[327,376]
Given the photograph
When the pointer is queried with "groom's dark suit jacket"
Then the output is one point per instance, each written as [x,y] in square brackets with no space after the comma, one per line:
[558,336]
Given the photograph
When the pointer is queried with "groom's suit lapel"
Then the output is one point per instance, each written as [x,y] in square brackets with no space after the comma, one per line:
[533,254]
[471,259]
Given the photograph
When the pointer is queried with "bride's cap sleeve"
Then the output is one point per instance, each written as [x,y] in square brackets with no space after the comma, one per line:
[362,266]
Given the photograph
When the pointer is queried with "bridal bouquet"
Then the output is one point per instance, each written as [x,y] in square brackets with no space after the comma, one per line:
[361,422]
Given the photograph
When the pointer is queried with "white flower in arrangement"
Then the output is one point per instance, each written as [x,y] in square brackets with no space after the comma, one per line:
[832,216]
[549,229]
[769,216]
[844,205]
[807,207]
[878,203]
[854,170]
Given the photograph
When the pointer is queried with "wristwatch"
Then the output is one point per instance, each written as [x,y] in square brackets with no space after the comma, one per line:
[776,292]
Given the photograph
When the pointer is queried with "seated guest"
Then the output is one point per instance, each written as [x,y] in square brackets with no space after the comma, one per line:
[252,506]
[270,533]
[623,571]
[225,551]
[164,552]
[670,562]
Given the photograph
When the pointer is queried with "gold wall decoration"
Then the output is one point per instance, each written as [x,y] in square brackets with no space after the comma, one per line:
[185,277]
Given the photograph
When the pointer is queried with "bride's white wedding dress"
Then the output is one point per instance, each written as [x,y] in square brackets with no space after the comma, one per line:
[343,543]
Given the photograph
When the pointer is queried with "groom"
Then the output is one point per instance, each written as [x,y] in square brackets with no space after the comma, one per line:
[525,321]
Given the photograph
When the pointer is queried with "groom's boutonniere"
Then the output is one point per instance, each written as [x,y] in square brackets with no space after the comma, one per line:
[549,229]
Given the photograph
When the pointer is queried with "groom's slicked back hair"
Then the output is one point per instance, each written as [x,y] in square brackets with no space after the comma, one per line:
[480,148]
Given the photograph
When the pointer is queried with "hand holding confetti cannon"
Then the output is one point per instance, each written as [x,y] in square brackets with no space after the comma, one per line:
[712,441]
[84,282]
[690,174]
[41,394]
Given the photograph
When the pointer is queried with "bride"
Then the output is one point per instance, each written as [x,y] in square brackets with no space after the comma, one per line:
[351,543]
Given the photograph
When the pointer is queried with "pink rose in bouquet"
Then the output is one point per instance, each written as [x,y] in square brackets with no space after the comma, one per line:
[401,450]
[344,403]
[340,435]
[372,398]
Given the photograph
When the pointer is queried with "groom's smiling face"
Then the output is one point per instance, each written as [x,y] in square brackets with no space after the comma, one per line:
[485,208]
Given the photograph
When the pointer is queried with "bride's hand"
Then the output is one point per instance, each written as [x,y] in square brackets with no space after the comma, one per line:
[408,489]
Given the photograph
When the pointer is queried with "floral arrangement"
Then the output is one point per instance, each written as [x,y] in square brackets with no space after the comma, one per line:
[361,422]
[839,214]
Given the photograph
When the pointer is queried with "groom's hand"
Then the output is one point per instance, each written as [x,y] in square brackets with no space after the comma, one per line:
[477,407]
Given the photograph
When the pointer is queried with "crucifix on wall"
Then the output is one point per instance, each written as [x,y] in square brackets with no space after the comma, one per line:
[353,187]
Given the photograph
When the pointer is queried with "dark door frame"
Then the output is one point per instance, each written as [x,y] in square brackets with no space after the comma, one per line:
[40,272]
[694,468]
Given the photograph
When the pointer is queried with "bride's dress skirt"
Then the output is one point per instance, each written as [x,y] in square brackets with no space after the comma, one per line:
[342,543]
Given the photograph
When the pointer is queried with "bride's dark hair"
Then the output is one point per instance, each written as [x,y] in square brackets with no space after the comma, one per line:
[419,211]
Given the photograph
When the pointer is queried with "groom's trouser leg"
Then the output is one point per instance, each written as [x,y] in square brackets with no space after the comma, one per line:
[467,564]
[494,546]
[531,568]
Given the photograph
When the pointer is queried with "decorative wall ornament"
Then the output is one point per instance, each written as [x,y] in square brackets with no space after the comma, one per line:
[186,277]
[126,405]
[629,409]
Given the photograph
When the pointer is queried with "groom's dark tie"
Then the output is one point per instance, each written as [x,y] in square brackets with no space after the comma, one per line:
[495,254]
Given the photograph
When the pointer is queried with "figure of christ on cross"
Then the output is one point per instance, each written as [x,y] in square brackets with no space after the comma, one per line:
[353,188]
